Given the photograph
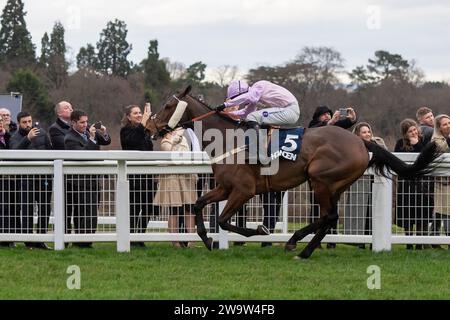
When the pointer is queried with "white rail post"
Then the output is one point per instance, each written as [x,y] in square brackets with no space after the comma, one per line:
[285,212]
[223,235]
[58,204]
[123,208]
[381,214]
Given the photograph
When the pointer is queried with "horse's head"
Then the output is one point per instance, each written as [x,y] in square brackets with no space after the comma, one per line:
[170,116]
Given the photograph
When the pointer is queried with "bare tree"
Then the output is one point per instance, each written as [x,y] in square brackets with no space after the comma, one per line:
[175,69]
[226,74]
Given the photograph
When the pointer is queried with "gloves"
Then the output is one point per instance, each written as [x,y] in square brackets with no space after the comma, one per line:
[220,108]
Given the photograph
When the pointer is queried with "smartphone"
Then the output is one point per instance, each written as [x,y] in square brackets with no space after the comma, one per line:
[343,113]
[36,125]
[98,125]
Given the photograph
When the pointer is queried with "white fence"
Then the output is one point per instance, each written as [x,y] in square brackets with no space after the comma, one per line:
[41,189]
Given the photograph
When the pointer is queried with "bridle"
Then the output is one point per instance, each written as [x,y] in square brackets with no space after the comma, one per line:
[167,128]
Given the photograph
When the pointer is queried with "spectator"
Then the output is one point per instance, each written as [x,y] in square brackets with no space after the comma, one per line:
[323,116]
[133,136]
[9,213]
[4,135]
[441,137]
[426,121]
[84,189]
[8,124]
[57,131]
[61,127]
[414,198]
[358,208]
[33,189]
[177,191]
[425,118]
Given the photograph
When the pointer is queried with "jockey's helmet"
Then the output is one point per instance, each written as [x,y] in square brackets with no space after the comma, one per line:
[236,88]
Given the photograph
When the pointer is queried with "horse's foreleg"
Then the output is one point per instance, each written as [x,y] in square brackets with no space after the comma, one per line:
[236,201]
[300,234]
[313,244]
[329,222]
[215,195]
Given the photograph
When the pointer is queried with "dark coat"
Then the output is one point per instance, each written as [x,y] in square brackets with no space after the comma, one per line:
[12,128]
[74,141]
[19,141]
[58,131]
[7,138]
[135,138]
[315,122]
[415,200]
[427,133]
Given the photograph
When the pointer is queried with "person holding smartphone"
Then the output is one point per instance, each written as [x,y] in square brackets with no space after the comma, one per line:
[133,136]
[323,116]
[30,136]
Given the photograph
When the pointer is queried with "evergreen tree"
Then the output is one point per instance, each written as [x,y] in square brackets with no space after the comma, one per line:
[57,64]
[385,66]
[156,74]
[87,58]
[195,73]
[16,47]
[45,51]
[113,49]
[35,95]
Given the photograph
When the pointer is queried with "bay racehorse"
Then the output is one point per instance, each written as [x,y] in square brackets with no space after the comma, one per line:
[330,168]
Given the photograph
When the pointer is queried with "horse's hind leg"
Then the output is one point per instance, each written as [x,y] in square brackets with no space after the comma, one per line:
[236,201]
[215,195]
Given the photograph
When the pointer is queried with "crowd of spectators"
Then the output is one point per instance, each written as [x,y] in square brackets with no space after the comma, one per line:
[422,206]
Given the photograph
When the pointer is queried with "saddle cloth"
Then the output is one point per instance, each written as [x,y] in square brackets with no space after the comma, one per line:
[289,144]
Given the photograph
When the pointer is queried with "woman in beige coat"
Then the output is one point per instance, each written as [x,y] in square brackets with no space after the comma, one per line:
[177,191]
[441,137]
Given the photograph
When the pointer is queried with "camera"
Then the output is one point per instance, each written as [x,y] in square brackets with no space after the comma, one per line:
[98,125]
[343,113]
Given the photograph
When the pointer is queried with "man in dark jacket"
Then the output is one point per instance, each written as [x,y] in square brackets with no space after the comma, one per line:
[323,116]
[83,190]
[61,127]
[32,189]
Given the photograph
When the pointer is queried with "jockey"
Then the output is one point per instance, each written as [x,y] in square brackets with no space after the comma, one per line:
[280,107]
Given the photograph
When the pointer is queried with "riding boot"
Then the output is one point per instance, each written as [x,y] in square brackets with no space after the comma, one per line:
[257,152]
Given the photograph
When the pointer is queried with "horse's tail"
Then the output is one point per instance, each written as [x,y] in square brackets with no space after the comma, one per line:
[385,162]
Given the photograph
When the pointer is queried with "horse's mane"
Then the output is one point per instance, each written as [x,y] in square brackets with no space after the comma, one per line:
[223,116]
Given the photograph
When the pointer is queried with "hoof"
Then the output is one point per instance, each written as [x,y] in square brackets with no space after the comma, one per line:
[304,255]
[262,230]
[209,244]
[290,247]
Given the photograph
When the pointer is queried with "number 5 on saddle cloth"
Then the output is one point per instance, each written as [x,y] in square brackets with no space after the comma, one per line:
[287,147]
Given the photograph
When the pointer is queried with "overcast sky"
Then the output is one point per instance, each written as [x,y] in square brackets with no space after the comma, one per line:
[249,33]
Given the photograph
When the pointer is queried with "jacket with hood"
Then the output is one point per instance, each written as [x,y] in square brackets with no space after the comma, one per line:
[315,122]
